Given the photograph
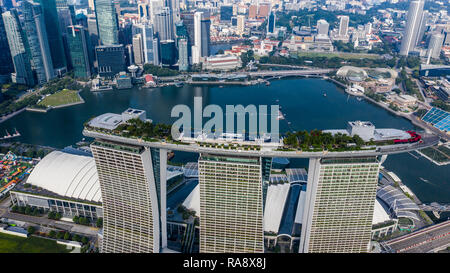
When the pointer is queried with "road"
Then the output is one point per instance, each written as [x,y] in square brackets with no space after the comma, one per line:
[425,240]
[44,221]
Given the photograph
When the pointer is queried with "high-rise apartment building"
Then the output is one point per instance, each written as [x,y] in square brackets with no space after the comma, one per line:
[34,28]
[54,34]
[339,204]
[20,52]
[412,27]
[231,204]
[107,22]
[78,42]
[240,24]
[343,26]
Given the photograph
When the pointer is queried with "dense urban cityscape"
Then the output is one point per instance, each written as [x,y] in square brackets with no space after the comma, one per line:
[109,144]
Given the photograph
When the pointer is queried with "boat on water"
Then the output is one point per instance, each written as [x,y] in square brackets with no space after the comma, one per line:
[423,179]
[8,135]
[267,83]
[220,86]
[324,94]
[280,115]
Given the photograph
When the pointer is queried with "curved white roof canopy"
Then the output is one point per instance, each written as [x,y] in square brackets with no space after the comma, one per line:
[69,175]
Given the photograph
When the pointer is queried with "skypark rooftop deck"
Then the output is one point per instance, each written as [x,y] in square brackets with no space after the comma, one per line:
[144,133]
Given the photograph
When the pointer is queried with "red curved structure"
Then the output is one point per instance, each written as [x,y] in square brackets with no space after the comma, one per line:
[414,138]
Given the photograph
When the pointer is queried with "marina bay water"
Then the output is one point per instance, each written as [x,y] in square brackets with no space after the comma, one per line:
[306,103]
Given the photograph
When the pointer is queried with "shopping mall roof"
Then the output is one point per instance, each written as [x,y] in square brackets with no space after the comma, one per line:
[68,175]
[275,202]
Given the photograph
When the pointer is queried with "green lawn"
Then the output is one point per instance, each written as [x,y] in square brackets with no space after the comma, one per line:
[60,98]
[339,55]
[16,244]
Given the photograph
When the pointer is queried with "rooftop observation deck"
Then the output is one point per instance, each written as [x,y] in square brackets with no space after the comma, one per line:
[427,141]
[133,128]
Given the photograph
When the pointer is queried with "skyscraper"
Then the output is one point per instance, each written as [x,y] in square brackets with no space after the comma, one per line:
[107,23]
[174,6]
[197,48]
[435,46]
[19,49]
[54,34]
[343,26]
[129,183]
[240,24]
[163,23]
[168,52]
[206,40]
[6,64]
[148,42]
[34,28]
[110,60]
[322,27]
[78,41]
[183,57]
[226,12]
[271,23]
[339,205]
[231,204]
[412,27]
[138,51]
[155,6]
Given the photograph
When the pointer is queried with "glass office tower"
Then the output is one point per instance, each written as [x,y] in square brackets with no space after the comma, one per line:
[107,22]
[18,45]
[77,38]
[53,33]
[34,27]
